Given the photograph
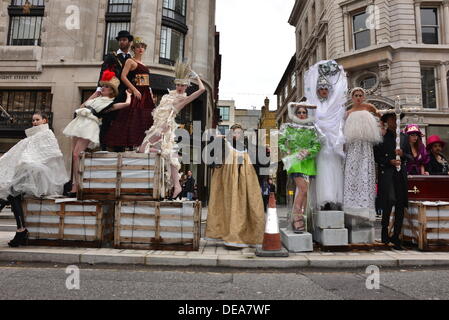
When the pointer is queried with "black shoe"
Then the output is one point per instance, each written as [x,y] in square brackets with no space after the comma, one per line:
[20,239]
[398,247]
[3,204]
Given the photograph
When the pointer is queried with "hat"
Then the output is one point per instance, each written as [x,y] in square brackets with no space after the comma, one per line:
[434,139]
[413,128]
[124,34]
[293,106]
[182,73]
[109,78]
[385,116]
[138,41]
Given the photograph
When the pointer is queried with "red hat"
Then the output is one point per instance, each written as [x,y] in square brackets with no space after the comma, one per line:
[434,139]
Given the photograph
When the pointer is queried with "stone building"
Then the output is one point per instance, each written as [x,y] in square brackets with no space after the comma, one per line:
[51,53]
[226,110]
[50,57]
[390,47]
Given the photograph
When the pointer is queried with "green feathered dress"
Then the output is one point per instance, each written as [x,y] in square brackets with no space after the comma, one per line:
[294,138]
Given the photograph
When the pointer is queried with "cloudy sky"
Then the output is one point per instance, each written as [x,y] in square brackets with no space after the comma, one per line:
[257,44]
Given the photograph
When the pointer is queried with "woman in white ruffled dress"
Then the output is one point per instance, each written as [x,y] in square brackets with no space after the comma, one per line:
[34,167]
[161,136]
[362,132]
[85,128]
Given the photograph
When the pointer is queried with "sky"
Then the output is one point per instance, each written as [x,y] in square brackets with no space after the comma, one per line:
[256,43]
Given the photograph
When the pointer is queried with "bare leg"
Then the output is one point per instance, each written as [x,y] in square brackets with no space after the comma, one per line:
[151,141]
[81,146]
[175,181]
[300,204]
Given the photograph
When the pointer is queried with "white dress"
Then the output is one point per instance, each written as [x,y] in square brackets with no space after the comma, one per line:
[86,125]
[329,120]
[362,132]
[162,135]
[34,166]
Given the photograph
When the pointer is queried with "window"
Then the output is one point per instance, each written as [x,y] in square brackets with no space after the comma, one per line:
[25,22]
[286,92]
[429,97]
[361,33]
[21,104]
[175,9]
[172,45]
[224,113]
[368,82]
[223,130]
[118,18]
[429,25]
[293,80]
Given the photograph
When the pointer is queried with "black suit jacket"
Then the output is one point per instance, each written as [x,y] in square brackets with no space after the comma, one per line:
[115,62]
[383,154]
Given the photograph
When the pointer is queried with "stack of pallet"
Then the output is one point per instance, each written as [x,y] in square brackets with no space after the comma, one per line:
[119,203]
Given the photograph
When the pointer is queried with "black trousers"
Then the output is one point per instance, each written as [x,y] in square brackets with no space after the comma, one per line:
[400,203]
[266,199]
[16,207]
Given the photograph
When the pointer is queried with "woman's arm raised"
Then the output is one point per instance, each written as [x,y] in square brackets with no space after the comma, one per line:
[193,96]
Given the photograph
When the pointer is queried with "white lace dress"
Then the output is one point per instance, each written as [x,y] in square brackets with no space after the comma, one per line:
[34,166]
[362,132]
[162,135]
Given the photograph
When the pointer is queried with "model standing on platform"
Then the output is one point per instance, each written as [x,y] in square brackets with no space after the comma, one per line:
[236,213]
[299,140]
[34,167]
[85,128]
[129,127]
[114,61]
[362,132]
[326,87]
[161,136]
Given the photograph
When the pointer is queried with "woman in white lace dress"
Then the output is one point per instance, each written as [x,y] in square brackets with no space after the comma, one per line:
[362,132]
[161,136]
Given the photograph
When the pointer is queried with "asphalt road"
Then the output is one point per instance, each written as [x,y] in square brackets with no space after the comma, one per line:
[48,282]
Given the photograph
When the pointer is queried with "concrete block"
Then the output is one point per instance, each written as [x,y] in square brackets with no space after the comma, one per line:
[361,236]
[365,218]
[332,237]
[296,242]
[330,219]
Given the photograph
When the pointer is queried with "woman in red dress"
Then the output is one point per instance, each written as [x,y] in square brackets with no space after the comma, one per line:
[128,130]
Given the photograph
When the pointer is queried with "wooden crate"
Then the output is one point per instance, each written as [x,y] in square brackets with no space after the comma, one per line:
[158,225]
[119,176]
[75,224]
[427,225]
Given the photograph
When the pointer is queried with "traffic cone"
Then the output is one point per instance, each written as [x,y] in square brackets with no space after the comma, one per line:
[272,245]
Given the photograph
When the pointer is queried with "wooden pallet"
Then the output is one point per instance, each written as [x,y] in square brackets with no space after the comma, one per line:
[74,224]
[158,225]
[427,226]
[120,176]
[353,247]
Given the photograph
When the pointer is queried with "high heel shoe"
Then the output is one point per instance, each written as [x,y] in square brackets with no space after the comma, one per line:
[24,238]
[3,204]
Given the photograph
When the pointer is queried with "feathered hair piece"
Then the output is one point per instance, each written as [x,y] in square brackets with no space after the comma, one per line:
[108,75]
[182,73]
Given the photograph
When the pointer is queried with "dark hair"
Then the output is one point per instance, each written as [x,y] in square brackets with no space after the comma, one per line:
[302,107]
[43,115]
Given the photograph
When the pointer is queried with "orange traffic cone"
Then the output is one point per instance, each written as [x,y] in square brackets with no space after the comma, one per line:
[272,245]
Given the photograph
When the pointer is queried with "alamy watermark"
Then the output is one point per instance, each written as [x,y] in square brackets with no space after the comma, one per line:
[73,280]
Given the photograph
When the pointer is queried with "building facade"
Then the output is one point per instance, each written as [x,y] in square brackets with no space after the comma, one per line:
[390,47]
[226,109]
[51,54]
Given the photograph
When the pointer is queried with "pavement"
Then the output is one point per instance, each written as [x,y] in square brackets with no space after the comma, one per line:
[214,254]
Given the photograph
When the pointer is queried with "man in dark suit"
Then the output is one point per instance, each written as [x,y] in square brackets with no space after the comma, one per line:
[115,61]
[393,189]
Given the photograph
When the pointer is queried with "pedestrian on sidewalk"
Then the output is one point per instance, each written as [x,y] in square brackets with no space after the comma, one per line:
[189,185]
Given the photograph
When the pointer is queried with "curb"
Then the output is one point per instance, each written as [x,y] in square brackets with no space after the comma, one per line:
[244,261]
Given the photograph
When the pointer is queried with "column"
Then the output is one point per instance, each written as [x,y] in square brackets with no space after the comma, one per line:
[418,21]
[446,19]
[443,87]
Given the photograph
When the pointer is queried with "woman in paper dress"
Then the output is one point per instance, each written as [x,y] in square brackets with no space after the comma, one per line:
[236,212]
[362,132]
[34,167]
[161,136]
[85,128]
[300,141]
[326,87]
[129,127]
